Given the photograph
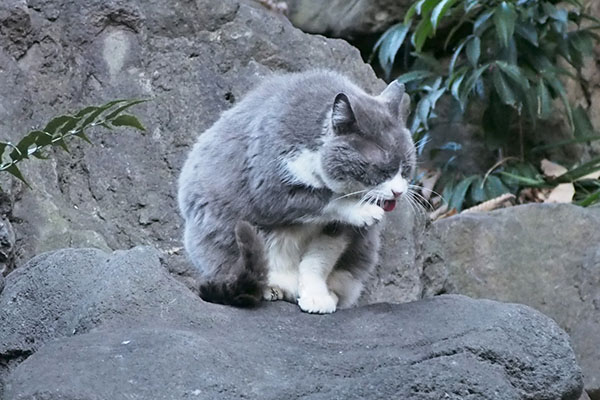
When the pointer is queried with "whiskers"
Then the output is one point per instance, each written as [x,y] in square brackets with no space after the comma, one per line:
[368,196]
[351,194]
[419,203]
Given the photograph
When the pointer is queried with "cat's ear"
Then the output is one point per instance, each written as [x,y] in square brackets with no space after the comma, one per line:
[342,115]
[397,99]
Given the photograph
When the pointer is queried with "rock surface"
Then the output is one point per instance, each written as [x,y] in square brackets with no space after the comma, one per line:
[545,256]
[397,278]
[346,19]
[119,326]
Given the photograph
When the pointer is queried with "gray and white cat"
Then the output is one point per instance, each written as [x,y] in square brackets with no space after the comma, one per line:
[282,195]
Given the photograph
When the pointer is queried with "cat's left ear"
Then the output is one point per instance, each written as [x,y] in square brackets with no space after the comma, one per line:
[342,115]
[397,99]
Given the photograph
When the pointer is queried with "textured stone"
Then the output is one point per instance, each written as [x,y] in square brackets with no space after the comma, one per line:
[546,256]
[397,278]
[118,326]
[346,19]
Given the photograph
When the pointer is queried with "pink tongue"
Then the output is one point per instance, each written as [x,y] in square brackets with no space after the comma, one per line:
[389,205]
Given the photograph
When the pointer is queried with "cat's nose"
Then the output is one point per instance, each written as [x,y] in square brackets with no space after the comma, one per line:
[396,194]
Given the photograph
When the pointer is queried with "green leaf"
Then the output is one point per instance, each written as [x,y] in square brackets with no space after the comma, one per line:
[470,84]
[544,101]
[504,20]
[56,123]
[20,150]
[455,87]
[388,47]
[558,87]
[414,76]
[423,109]
[583,125]
[440,11]
[99,110]
[477,192]
[482,22]
[425,7]
[494,187]
[14,171]
[528,32]
[514,73]
[582,41]
[81,134]
[3,146]
[410,13]
[128,120]
[474,51]
[507,95]
[459,193]
[456,54]
[422,32]
[578,172]
[85,111]
[590,199]
[529,182]
[69,125]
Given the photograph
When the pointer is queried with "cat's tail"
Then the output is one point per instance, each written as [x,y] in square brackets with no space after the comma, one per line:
[244,284]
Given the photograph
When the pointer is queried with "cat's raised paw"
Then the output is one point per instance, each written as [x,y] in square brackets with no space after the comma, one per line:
[366,215]
[317,303]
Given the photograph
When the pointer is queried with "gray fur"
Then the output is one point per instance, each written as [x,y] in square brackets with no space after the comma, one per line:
[236,170]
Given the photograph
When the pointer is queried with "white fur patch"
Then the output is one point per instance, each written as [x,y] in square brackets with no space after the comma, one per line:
[397,184]
[305,168]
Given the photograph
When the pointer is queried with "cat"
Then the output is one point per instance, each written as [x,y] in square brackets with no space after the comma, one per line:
[283,194]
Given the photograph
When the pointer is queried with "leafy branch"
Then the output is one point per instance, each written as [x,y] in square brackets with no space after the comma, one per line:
[510,57]
[63,128]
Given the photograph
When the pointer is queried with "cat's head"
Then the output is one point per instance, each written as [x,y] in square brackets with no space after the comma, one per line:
[369,149]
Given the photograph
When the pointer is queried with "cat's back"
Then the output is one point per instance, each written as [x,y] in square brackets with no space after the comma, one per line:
[280,115]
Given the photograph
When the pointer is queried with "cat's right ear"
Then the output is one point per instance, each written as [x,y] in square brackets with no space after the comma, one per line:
[342,116]
[397,99]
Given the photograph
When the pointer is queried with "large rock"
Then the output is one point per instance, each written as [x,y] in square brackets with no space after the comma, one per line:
[397,278]
[348,19]
[83,324]
[545,256]
[193,61]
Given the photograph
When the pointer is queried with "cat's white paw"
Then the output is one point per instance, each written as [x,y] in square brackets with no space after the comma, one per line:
[317,303]
[273,293]
[366,215]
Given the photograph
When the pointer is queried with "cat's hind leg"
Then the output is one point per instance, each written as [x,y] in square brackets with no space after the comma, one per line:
[346,287]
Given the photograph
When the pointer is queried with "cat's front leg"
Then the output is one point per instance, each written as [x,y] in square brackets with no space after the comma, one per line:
[316,265]
[353,212]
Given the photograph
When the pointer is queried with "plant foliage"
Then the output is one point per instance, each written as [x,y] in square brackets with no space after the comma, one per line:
[508,56]
[60,130]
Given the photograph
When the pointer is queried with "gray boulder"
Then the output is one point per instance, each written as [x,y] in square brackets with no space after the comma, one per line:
[83,324]
[397,278]
[546,256]
[348,19]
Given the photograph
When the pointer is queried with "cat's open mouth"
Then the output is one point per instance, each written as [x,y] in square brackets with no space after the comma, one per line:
[387,205]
